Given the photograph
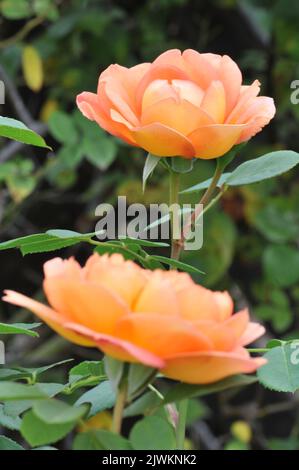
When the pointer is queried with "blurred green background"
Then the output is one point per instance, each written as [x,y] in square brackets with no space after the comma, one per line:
[52,50]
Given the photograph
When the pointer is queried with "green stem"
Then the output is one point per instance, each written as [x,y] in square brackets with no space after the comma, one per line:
[174,186]
[22,33]
[175,254]
[119,407]
[156,391]
[205,201]
[181,426]
[209,192]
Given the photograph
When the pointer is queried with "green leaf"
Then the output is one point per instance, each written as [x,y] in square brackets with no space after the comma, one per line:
[114,370]
[101,152]
[87,369]
[101,397]
[17,391]
[50,389]
[144,405]
[10,422]
[177,264]
[9,444]
[19,329]
[16,9]
[215,257]
[267,166]
[16,130]
[150,164]
[45,448]
[54,411]
[11,374]
[182,391]
[252,171]
[140,242]
[35,371]
[38,433]
[205,184]
[30,373]
[281,265]
[20,186]
[273,343]
[62,128]
[280,317]
[100,440]
[152,433]
[290,443]
[17,407]
[277,225]
[226,159]
[44,242]
[138,378]
[166,218]
[69,156]
[197,410]
[281,373]
[63,233]
[86,374]
[46,9]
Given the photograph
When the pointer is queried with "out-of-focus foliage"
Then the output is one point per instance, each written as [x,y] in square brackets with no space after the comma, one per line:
[52,50]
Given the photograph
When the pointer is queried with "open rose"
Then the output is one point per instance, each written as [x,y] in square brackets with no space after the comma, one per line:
[183,104]
[157,318]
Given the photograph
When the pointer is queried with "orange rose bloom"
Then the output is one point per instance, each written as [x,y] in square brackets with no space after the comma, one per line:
[183,104]
[158,318]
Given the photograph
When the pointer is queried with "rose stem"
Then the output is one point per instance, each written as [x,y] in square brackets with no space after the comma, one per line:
[204,201]
[174,186]
[176,248]
[119,407]
[181,426]
[175,254]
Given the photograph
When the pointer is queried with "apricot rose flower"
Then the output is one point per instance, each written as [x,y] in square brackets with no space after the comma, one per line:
[183,104]
[158,318]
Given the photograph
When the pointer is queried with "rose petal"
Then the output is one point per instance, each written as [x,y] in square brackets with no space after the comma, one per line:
[128,80]
[208,367]
[156,91]
[258,115]
[225,336]
[84,302]
[214,141]
[171,57]
[118,348]
[197,303]
[89,105]
[252,332]
[247,93]
[176,115]
[163,141]
[157,296]
[120,100]
[214,102]
[124,277]
[157,72]
[231,78]
[69,268]
[200,67]
[162,335]
[225,303]
[49,316]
